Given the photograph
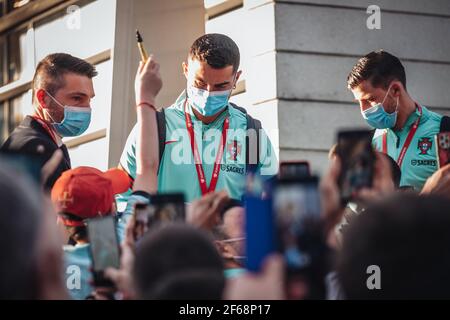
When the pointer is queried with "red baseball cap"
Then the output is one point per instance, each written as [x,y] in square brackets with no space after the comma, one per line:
[87,192]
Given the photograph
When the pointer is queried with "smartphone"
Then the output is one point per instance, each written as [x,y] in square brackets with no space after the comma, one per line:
[104,247]
[166,208]
[443,148]
[354,149]
[297,210]
[142,213]
[294,169]
[259,224]
[29,165]
[299,237]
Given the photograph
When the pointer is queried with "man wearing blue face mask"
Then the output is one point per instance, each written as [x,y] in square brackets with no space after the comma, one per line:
[405,129]
[62,90]
[203,145]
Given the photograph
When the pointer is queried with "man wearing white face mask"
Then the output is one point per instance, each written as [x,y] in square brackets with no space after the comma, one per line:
[62,91]
[405,129]
[203,145]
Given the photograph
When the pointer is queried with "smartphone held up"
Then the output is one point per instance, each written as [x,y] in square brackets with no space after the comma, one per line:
[354,149]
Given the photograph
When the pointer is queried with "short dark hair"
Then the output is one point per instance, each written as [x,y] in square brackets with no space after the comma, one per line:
[174,250]
[407,236]
[20,221]
[218,50]
[379,67]
[50,71]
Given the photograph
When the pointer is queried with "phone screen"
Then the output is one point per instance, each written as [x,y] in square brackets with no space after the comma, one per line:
[357,157]
[294,170]
[104,243]
[166,208]
[142,213]
[297,209]
[443,148]
[259,224]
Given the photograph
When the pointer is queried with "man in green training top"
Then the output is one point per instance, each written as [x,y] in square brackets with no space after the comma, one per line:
[405,129]
[205,144]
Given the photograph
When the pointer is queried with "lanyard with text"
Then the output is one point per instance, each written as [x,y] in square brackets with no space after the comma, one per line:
[197,158]
[408,140]
[47,128]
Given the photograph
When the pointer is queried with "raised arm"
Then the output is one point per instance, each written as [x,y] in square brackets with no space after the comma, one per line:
[148,83]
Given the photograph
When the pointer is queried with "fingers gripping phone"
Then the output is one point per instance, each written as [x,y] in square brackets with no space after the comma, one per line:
[354,149]
[104,247]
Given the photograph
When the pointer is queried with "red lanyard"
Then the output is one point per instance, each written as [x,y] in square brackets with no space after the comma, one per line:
[47,128]
[197,158]
[408,140]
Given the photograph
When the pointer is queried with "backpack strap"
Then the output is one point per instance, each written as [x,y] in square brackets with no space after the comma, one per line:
[445,124]
[251,159]
[161,122]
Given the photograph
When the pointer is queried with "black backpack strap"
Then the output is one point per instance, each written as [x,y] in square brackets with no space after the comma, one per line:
[445,124]
[161,121]
[252,124]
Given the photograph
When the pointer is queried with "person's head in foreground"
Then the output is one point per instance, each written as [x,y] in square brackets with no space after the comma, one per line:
[83,193]
[178,262]
[398,249]
[31,263]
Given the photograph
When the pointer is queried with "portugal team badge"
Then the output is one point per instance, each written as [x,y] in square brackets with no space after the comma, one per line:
[424,145]
[234,150]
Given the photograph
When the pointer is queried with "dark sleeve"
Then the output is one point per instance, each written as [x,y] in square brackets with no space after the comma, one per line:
[44,148]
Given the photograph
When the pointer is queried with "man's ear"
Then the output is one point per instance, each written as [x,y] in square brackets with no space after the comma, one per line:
[41,98]
[184,65]
[397,88]
[224,249]
[238,74]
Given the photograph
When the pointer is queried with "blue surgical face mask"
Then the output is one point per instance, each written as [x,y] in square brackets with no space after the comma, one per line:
[378,118]
[207,103]
[76,120]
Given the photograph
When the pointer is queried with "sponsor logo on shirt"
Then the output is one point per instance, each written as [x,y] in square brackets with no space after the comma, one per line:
[424,145]
[231,168]
[418,163]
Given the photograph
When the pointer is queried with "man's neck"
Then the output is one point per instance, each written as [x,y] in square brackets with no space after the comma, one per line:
[408,107]
[207,119]
[38,113]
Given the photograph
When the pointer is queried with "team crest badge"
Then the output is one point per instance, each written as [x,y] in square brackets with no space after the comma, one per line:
[234,150]
[424,145]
